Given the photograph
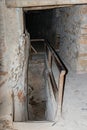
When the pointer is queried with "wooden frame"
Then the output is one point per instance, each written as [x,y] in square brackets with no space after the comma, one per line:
[57,89]
[51,55]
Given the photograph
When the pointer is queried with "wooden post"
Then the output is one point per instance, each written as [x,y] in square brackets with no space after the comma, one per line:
[49,59]
[60,93]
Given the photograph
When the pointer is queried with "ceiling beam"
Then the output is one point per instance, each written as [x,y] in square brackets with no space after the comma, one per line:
[46,7]
[39,3]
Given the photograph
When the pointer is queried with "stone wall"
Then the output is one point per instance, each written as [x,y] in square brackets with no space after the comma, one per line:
[71,26]
[14,48]
[82,41]
[5,93]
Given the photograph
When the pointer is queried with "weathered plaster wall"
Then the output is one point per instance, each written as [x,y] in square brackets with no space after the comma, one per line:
[68,27]
[5,93]
[71,26]
[82,41]
[14,46]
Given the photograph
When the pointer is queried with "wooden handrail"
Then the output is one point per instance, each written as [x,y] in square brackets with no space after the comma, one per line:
[57,88]
[52,56]
[56,57]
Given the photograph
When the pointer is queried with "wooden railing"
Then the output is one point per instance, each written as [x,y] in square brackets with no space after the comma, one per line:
[55,73]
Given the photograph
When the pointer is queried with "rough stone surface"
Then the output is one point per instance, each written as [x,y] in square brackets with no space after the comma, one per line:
[82,41]
[71,26]
[14,46]
[5,92]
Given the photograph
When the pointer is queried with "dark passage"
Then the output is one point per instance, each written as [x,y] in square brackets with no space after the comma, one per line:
[37,94]
[44,67]
[38,24]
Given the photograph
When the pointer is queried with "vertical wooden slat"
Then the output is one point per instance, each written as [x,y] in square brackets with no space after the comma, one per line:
[49,59]
[60,92]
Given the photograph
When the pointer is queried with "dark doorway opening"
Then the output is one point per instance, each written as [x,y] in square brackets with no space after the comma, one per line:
[42,83]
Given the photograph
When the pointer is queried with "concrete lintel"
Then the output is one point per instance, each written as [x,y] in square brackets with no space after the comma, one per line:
[38,3]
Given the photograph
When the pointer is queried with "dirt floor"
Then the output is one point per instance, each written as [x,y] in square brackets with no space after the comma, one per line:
[36,86]
[74,116]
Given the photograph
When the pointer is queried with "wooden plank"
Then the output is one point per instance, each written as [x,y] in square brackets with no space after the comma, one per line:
[56,56]
[38,3]
[37,40]
[33,49]
[49,59]
[57,89]
[54,85]
[60,92]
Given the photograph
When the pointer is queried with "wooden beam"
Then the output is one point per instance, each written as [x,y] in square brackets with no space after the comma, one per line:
[38,3]
[33,49]
[46,7]
[37,40]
